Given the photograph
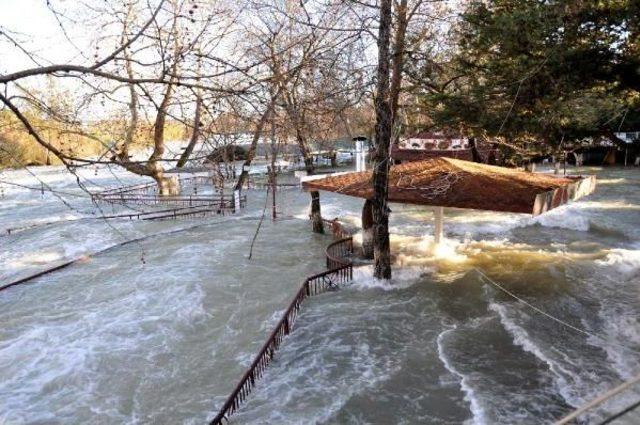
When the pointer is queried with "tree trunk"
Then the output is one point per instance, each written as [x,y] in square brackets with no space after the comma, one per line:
[334,158]
[251,153]
[381,245]
[367,230]
[167,186]
[398,58]
[152,167]
[316,215]
[195,135]
[475,155]
[272,171]
[556,164]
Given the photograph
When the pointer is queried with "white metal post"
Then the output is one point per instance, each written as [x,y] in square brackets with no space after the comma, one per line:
[438,215]
[360,156]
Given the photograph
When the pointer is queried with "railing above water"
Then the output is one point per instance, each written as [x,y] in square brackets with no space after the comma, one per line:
[189,200]
[196,190]
[340,270]
[337,253]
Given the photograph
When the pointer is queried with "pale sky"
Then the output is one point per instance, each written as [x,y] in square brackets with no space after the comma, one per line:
[31,22]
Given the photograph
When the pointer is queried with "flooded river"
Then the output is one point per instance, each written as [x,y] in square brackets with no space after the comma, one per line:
[159,331]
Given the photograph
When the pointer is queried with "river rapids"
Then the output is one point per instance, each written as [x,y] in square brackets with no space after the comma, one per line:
[160,330]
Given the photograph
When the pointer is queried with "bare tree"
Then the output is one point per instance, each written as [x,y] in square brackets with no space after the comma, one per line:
[145,61]
[384,124]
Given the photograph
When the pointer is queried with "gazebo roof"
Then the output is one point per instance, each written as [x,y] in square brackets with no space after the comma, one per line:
[454,183]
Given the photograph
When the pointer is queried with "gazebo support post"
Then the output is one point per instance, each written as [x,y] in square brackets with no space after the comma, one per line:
[438,215]
[315,215]
[367,230]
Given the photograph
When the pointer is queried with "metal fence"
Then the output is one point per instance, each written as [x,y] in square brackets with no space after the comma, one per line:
[225,201]
[340,270]
[199,194]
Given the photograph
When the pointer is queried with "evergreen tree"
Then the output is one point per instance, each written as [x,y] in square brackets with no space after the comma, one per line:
[539,72]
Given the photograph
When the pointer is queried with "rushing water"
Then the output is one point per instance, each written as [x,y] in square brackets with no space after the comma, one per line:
[159,331]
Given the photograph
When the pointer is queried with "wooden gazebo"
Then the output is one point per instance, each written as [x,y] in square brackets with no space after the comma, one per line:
[454,183]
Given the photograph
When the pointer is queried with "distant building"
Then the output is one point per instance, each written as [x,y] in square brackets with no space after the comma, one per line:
[629,136]
[432,144]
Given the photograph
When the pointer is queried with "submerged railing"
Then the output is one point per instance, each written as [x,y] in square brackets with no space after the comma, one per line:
[226,201]
[194,191]
[151,188]
[340,270]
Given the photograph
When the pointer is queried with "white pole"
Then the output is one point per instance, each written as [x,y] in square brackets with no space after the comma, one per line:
[360,159]
[439,222]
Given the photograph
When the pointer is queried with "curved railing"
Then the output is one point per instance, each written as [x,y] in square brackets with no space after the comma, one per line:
[337,229]
[337,253]
[340,270]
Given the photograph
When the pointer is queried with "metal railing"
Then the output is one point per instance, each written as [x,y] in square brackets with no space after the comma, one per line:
[337,253]
[147,193]
[225,201]
[151,188]
[169,213]
[337,229]
[340,271]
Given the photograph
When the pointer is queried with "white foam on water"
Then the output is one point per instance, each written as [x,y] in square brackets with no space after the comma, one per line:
[568,384]
[401,278]
[624,261]
[619,331]
[371,376]
[448,249]
[271,322]
[486,223]
[616,205]
[301,394]
[564,217]
[34,258]
[611,181]
[479,416]
[54,366]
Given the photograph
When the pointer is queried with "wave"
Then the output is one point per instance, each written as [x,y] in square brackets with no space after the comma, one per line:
[313,384]
[402,278]
[46,363]
[565,381]
[565,217]
[624,261]
[478,413]
[619,331]
[573,377]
